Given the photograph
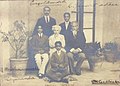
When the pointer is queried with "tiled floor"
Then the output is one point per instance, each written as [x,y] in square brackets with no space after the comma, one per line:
[103,71]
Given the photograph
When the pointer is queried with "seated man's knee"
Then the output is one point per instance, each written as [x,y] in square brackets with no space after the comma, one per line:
[37,57]
[45,56]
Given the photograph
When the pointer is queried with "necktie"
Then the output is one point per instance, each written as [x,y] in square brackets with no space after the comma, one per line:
[66,25]
[47,19]
[40,35]
[74,34]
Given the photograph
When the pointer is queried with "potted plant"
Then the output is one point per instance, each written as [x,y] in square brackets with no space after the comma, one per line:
[17,39]
[110,50]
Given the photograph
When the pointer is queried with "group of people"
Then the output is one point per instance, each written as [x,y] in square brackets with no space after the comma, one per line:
[58,47]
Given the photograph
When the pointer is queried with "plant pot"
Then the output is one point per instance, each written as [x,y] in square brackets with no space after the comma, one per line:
[18,66]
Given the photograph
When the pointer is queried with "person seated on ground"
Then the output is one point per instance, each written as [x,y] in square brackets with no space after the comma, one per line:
[75,45]
[40,46]
[59,65]
[56,37]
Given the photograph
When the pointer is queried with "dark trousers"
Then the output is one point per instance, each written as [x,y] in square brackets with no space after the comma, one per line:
[91,62]
[78,58]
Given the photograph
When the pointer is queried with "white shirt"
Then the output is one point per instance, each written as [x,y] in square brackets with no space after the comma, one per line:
[53,39]
[47,18]
[66,25]
[59,52]
[71,50]
[40,35]
[74,33]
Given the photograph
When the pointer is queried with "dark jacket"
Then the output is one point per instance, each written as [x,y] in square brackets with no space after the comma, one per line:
[47,27]
[63,28]
[75,42]
[59,66]
[39,44]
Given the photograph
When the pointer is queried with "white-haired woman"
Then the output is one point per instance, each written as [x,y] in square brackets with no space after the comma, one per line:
[56,37]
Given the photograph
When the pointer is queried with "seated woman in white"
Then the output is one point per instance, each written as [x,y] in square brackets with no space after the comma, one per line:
[56,37]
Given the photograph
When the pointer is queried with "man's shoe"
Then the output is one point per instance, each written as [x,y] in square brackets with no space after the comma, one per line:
[40,76]
[92,70]
[72,72]
[64,80]
[78,73]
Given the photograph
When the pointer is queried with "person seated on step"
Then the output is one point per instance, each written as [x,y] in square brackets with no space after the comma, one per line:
[75,43]
[40,46]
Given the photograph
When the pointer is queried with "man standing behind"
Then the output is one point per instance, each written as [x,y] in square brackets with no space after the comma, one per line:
[75,45]
[40,46]
[46,22]
[66,25]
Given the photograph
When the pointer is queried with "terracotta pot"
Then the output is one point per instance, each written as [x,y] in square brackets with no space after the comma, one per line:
[18,66]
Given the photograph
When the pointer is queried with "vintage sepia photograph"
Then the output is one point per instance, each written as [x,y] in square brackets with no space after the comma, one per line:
[59,43]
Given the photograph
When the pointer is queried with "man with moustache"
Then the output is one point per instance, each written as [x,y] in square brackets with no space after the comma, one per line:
[40,46]
[46,22]
[75,44]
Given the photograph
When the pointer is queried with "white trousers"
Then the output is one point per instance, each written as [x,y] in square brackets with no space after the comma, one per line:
[41,61]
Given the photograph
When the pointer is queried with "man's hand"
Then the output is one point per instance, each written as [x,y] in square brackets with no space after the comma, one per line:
[74,51]
[77,50]
[58,74]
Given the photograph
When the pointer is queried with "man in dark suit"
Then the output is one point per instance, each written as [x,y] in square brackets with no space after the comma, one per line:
[40,46]
[75,45]
[66,25]
[46,22]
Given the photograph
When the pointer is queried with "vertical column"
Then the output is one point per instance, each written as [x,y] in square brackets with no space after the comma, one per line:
[80,10]
[94,14]
[77,17]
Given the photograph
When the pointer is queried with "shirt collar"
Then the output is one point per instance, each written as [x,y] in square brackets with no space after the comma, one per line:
[59,51]
[40,34]
[47,16]
[67,22]
[57,35]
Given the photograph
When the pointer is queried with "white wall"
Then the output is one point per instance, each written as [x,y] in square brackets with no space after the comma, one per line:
[111,24]
[4,18]
[99,22]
